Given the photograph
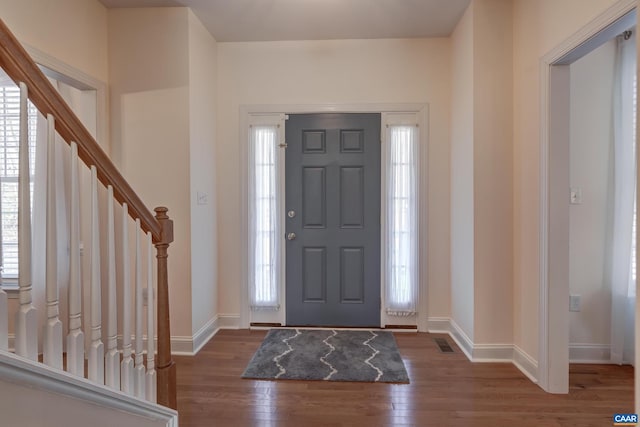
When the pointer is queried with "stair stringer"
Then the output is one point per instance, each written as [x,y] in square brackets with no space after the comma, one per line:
[33,394]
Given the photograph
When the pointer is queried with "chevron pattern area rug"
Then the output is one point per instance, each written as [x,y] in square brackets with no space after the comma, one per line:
[329,355]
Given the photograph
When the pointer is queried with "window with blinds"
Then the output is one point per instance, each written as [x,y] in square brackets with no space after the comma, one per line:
[9,150]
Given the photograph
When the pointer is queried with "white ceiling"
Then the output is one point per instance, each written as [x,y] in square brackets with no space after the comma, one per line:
[266,20]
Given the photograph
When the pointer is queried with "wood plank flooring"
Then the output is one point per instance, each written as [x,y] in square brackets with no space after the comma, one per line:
[445,390]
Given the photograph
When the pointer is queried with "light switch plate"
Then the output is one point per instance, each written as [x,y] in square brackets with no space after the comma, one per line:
[576,196]
[574,303]
[202,198]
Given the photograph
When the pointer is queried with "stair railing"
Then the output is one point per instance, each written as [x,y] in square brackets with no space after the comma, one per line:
[119,368]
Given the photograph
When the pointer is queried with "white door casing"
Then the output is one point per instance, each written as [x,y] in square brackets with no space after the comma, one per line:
[247,113]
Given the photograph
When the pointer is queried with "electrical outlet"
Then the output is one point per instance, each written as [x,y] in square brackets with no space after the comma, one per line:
[574,303]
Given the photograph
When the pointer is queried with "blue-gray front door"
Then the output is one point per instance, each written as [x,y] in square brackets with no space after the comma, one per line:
[333,219]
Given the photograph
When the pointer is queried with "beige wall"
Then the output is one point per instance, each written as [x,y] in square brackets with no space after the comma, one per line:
[462,230]
[163,76]
[591,142]
[149,76]
[202,128]
[72,31]
[539,26]
[493,176]
[481,191]
[332,72]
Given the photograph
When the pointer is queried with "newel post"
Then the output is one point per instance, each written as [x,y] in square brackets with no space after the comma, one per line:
[166,369]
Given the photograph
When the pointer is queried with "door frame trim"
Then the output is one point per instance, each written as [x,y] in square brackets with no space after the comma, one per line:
[82,81]
[553,292]
[421,110]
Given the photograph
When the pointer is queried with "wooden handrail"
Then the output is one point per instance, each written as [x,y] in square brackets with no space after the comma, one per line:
[19,66]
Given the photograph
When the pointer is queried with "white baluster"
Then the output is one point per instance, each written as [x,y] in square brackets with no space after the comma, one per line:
[75,338]
[112,358]
[126,374]
[151,348]
[139,362]
[26,317]
[52,348]
[96,351]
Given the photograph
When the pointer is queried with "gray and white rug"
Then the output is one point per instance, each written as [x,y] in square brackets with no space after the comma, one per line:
[329,355]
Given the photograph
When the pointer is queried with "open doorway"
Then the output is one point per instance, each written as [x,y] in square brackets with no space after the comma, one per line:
[601,211]
[558,198]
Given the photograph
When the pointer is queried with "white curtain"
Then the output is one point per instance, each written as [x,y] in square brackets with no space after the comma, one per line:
[401,220]
[621,275]
[264,220]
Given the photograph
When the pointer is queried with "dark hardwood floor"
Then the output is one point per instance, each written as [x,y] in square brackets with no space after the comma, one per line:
[445,390]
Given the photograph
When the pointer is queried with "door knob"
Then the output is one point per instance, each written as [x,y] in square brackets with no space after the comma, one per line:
[291,214]
[291,236]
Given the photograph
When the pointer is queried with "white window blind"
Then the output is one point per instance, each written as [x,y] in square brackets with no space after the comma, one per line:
[264,219]
[402,220]
[9,150]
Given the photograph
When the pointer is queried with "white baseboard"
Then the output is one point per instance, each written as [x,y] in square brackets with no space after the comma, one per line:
[461,338]
[439,325]
[190,346]
[590,353]
[484,353]
[229,321]
[489,353]
[182,345]
[527,364]
[205,333]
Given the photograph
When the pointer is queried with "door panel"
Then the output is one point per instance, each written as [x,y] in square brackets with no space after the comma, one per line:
[352,275]
[314,268]
[333,192]
[351,197]
[314,196]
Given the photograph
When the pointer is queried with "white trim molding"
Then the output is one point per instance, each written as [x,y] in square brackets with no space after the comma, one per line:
[461,338]
[438,325]
[590,353]
[485,353]
[229,321]
[205,333]
[527,364]
[35,375]
[72,76]
[183,345]
[553,342]
[247,111]
[488,353]
[191,345]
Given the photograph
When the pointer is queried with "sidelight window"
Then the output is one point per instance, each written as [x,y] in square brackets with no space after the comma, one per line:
[264,221]
[402,219]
